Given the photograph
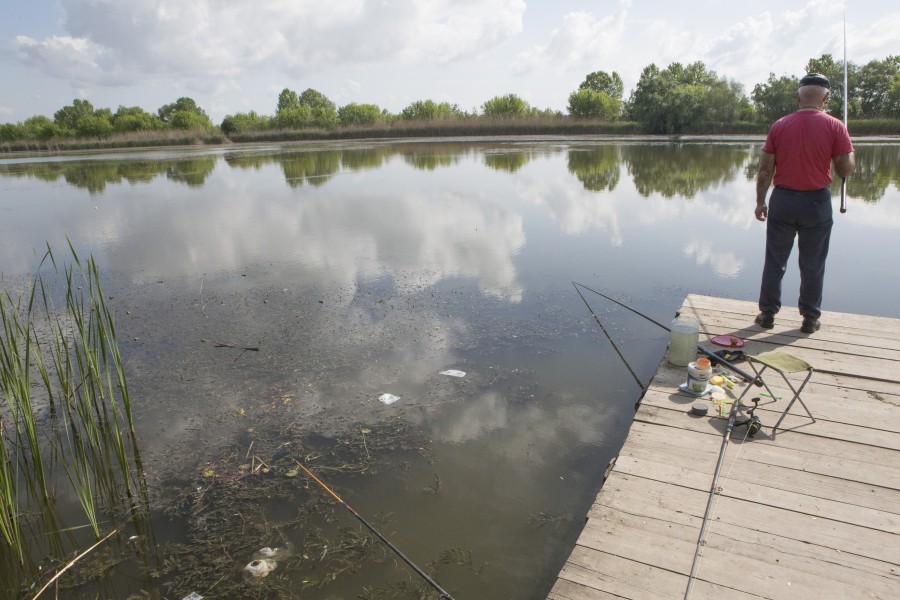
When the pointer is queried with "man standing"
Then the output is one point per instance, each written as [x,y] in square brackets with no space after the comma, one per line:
[798,153]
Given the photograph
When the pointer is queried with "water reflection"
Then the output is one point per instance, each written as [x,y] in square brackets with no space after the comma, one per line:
[667,169]
[95,175]
[507,162]
[876,171]
[686,170]
[598,168]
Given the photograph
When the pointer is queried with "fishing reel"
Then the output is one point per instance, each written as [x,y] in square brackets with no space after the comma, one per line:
[752,421]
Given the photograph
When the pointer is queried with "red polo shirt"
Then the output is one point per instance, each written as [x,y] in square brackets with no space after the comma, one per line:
[804,143]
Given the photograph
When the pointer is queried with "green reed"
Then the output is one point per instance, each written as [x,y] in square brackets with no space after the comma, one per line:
[64,389]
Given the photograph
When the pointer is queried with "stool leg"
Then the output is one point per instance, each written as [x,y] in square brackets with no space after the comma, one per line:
[795,398]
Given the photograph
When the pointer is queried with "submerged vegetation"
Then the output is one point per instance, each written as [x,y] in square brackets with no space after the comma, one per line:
[75,507]
[65,415]
[677,99]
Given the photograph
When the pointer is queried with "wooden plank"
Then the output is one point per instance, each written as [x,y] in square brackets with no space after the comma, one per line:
[796,420]
[790,313]
[648,498]
[565,589]
[654,443]
[630,579]
[612,530]
[854,462]
[731,487]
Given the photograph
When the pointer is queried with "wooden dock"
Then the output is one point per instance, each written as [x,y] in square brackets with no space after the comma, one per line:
[813,512]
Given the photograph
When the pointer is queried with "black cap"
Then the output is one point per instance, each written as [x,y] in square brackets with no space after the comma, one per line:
[815,79]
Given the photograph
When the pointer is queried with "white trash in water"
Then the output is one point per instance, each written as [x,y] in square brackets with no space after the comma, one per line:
[454,373]
[265,560]
[260,567]
[388,398]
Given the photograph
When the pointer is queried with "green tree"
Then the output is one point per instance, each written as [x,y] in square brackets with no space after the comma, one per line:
[601,81]
[294,118]
[893,99]
[678,97]
[506,107]
[588,103]
[167,112]
[244,122]
[96,125]
[134,118]
[67,117]
[189,119]
[360,114]
[11,132]
[874,80]
[41,128]
[429,110]
[315,99]
[287,99]
[323,110]
[776,97]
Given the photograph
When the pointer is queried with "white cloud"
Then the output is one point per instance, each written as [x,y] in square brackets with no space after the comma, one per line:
[724,263]
[582,39]
[113,42]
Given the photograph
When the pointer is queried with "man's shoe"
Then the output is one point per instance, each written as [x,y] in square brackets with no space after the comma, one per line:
[766,320]
[810,325]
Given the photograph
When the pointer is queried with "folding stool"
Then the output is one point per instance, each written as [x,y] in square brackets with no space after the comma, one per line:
[784,364]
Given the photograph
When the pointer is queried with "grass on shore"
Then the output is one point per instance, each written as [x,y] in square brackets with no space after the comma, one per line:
[463,127]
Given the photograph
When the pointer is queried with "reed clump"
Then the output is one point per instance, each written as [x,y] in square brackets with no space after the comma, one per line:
[65,410]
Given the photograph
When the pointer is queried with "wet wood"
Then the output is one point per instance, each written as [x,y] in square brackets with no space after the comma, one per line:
[812,512]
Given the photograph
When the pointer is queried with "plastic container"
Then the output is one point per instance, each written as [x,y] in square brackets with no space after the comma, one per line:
[699,373]
[685,335]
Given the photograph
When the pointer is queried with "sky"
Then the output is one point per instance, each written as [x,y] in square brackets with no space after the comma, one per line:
[237,55]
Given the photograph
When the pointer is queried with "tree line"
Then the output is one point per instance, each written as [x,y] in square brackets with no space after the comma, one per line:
[675,99]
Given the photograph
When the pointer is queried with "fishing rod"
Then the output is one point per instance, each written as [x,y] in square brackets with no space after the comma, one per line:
[754,379]
[844,179]
[444,594]
[615,347]
[701,539]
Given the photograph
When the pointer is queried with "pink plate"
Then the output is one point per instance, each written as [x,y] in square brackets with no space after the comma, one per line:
[728,341]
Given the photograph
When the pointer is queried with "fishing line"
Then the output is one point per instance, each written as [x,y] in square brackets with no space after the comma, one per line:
[444,594]
[606,333]
[754,379]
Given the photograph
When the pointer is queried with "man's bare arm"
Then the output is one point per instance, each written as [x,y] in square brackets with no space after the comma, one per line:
[845,164]
[763,181]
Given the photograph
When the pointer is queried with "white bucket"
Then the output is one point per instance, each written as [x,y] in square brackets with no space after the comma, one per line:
[698,377]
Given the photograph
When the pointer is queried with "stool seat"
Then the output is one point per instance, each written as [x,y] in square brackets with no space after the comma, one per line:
[783,364]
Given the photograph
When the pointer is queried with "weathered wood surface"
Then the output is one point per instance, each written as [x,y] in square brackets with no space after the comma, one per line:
[812,512]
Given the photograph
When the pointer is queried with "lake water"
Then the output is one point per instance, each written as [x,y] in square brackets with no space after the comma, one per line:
[267,296]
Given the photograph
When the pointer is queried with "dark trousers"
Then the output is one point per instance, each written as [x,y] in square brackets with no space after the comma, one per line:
[806,216]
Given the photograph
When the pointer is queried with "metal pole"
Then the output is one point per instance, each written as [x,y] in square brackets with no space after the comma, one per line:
[846,93]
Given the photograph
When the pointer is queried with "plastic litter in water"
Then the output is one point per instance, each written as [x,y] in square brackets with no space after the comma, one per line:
[260,567]
[193,596]
[454,373]
[388,398]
